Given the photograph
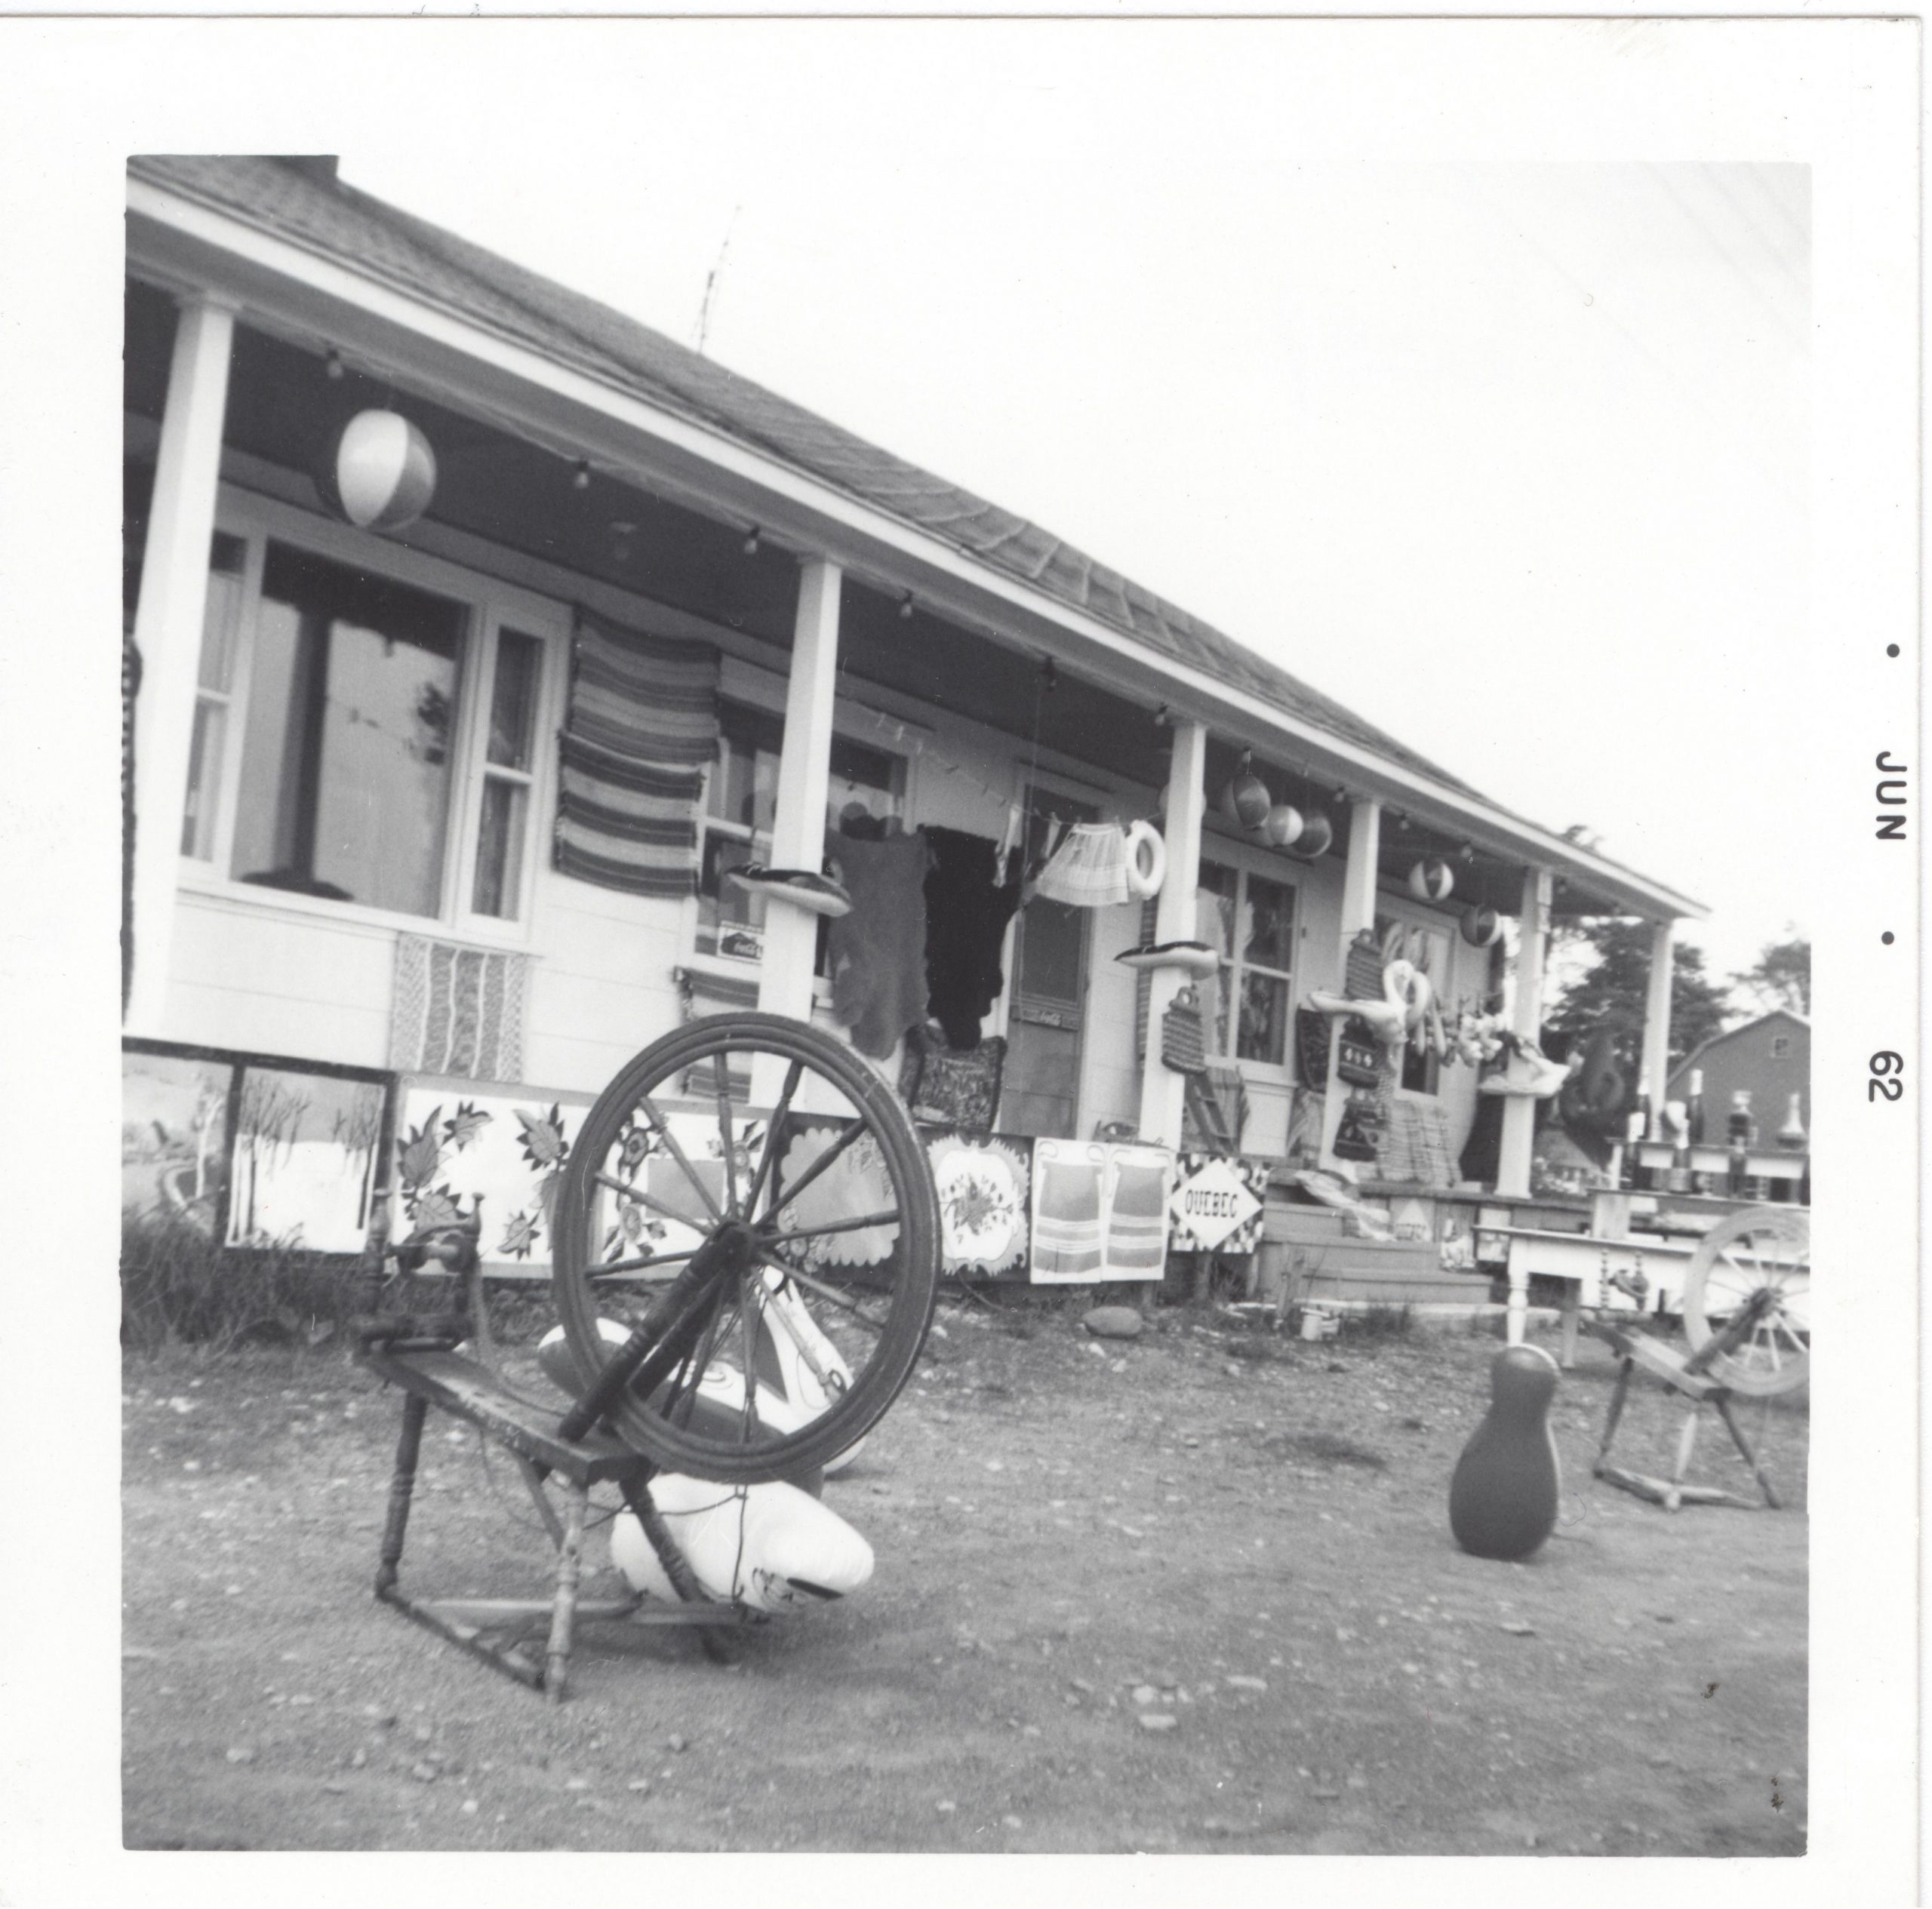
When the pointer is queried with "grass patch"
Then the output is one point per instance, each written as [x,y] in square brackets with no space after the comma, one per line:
[1324,1448]
[1379,1323]
[178,1286]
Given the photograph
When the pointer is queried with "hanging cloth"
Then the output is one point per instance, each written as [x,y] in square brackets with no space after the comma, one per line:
[1089,869]
[642,722]
[878,952]
[968,909]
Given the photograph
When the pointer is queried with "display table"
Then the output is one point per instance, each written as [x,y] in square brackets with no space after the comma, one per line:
[1586,1264]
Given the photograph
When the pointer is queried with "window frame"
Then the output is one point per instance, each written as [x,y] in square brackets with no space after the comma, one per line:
[492,606]
[1248,862]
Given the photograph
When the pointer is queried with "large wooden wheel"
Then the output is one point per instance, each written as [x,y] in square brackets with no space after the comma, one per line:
[1765,1249]
[742,1169]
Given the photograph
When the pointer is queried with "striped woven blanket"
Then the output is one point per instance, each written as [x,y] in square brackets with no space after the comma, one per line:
[642,722]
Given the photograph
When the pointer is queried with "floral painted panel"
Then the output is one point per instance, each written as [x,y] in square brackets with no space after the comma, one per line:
[983,1187]
[453,1148]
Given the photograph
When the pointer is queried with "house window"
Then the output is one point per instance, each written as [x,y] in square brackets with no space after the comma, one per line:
[1780,1046]
[741,791]
[1253,923]
[335,752]
[346,769]
[215,687]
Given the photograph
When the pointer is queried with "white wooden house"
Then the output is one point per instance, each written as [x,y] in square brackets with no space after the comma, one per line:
[353,864]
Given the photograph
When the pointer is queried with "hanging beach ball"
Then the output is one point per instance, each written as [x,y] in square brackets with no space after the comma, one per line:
[1482,927]
[1281,825]
[1432,879]
[1245,801]
[1317,835]
[380,473]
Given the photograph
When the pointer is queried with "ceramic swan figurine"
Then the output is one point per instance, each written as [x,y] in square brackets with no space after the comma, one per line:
[1406,995]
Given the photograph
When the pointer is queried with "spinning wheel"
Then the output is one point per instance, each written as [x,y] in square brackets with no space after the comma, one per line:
[741,1165]
[1764,1251]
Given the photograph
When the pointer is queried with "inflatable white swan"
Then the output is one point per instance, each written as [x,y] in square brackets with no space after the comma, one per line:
[1406,999]
[768,1547]
[1528,1072]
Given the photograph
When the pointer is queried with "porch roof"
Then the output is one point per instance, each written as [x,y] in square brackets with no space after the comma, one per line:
[300,202]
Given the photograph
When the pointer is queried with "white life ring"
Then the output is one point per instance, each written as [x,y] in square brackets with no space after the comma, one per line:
[1146,861]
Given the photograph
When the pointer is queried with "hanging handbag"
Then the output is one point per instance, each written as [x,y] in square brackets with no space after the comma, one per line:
[1183,1043]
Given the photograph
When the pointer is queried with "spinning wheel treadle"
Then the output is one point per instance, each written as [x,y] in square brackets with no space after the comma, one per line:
[742,1156]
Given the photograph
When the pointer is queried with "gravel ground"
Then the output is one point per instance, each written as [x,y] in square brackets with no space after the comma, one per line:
[1195,1593]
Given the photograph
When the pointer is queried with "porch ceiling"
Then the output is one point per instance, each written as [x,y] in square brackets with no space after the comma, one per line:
[285,410]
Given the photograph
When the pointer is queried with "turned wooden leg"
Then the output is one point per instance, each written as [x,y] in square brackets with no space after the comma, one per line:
[563,1615]
[1725,1412]
[1618,1393]
[402,1484]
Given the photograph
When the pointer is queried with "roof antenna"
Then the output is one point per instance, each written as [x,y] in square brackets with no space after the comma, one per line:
[711,281]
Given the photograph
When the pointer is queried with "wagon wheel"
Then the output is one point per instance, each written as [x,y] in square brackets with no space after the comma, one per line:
[740,1171]
[1766,1249]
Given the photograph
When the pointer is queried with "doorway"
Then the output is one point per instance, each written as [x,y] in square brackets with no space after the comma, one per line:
[1042,1095]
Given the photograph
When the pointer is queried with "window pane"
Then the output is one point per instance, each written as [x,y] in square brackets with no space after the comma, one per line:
[1270,918]
[500,840]
[513,699]
[731,919]
[227,561]
[346,766]
[204,779]
[1264,1018]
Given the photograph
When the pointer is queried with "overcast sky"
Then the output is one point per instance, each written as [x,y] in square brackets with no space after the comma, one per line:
[1511,456]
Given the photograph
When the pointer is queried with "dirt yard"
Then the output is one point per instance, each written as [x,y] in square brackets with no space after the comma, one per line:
[1196,1593]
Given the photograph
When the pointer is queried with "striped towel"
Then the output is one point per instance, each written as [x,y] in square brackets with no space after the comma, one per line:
[1137,1222]
[457,1010]
[1067,1212]
[642,722]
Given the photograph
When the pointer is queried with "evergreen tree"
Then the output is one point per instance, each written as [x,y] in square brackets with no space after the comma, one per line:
[1782,977]
[1613,989]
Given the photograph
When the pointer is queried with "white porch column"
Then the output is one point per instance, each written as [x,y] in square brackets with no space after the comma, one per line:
[1358,881]
[797,824]
[1519,1110]
[1655,1070]
[1161,1089]
[168,632]
[1358,877]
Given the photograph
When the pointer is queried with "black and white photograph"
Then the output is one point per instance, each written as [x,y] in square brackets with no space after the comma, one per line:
[966,874]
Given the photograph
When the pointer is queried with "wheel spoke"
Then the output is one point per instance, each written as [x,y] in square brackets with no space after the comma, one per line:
[720,1087]
[830,1294]
[638,1264]
[835,1226]
[660,1127]
[768,1158]
[781,1321]
[748,1356]
[818,1167]
[631,1191]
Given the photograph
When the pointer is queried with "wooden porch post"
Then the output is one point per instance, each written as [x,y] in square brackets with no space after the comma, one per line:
[168,632]
[798,825]
[1519,1110]
[1161,1088]
[1358,912]
[1655,1071]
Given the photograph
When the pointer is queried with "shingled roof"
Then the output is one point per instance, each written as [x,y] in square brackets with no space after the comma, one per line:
[303,202]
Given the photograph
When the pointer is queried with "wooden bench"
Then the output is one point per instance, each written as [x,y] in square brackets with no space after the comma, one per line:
[493,1628]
